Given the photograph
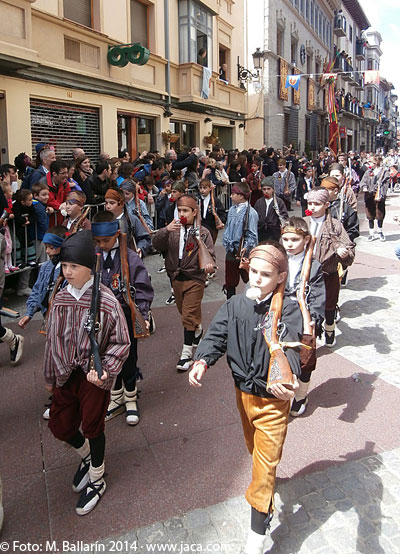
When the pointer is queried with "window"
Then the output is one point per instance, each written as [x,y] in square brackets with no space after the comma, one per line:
[81,52]
[350,33]
[224,60]
[293,52]
[185,132]
[308,10]
[79,11]
[312,14]
[302,7]
[370,64]
[279,42]
[135,134]
[139,22]
[195,33]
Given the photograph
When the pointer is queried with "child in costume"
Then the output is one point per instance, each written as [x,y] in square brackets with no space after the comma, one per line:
[271,212]
[74,205]
[182,265]
[295,240]
[80,397]
[106,234]
[237,330]
[238,235]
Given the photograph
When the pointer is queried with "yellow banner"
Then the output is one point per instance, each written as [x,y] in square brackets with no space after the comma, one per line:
[283,91]
[311,94]
[296,93]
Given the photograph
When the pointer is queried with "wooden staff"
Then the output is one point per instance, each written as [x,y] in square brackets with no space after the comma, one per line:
[139,213]
[302,290]
[204,255]
[218,222]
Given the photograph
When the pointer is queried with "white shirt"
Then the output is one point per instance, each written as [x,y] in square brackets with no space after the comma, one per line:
[258,300]
[176,216]
[182,239]
[308,183]
[78,293]
[316,224]
[206,201]
[295,264]
[113,252]
[268,202]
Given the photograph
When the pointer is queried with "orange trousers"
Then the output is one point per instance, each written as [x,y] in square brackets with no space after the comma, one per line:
[264,422]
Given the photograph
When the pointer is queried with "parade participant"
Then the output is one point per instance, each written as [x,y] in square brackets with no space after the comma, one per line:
[80,397]
[183,266]
[240,236]
[139,238]
[213,215]
[129,188]
[305,183]
[346,192]
[271,212]
[284,183]
[106,235]
[340,209]
[74,206]
[237,330]
[14,342]
[254,179]
[374,185]
[305,283]
[333,246]
[49,271]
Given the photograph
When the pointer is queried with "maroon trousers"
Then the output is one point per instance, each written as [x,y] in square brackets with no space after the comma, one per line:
[77,403]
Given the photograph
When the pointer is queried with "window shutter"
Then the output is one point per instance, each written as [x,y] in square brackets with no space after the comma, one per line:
[79,11]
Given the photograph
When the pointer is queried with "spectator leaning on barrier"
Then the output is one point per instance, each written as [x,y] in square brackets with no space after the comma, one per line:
[58,185]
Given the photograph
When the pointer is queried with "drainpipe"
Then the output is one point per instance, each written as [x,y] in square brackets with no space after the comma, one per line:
[168,66]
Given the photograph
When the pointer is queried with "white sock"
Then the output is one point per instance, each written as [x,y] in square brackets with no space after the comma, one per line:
[187,352]
[302,391]
[255,543]
[96,473]
[372,232]
[198,330]
[84,450]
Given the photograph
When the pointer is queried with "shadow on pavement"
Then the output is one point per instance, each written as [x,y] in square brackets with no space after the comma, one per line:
[373,335]
[308,504]
[364,306]
[365,283]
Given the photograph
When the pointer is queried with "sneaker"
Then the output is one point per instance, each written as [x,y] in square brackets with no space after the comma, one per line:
[162,269]
[370,238]
[17,351]
[171,300]
[330,339]
[13,268]
[184,364]
[116,405]
[81,477]
[24,292]
[6,271]
[46,413]
[211,275]
[298,407]
[337,314]
[90,496]
[207,282]
[382,237]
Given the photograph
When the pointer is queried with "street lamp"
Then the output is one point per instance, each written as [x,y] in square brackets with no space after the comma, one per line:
[247,75]
[258,59]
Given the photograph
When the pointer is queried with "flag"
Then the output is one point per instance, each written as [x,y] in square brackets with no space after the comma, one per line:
[205,87]
[371,77]
[293,81]
[329,77]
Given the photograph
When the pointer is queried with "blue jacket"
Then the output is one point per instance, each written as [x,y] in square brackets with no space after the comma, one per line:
[234,229]
[42,219]
[39,289]
[131,207]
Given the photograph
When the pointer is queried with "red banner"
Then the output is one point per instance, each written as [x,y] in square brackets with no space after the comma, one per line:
[333,137]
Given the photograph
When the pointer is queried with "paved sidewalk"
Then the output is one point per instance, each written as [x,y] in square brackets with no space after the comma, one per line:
[176,481]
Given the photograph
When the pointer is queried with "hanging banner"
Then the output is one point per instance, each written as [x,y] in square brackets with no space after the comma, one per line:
[333,137]
[292,81]
[296,91]
[311,95]
[283,91]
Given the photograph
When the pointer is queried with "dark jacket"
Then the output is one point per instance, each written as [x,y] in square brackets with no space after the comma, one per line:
[209,220]
[98,187]
[301,189]
[235,330]
[349,218]
[35,177]
[187,268]
[21,214]
[138,278]
[85,186]
[269,167]
[42,219]
[269,225]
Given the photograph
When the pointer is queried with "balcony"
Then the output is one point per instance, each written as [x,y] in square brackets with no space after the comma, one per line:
[340,26]
[339,64]
[187,82]
[359,80]
[360,50]
[371,115]
[347,67]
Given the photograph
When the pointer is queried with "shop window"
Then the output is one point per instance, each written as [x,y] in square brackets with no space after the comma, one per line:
[139,22]
[195,33]
[185,132]
[79,11]
[135,134]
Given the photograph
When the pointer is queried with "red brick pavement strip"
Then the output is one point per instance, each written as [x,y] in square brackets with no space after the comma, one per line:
[187,451]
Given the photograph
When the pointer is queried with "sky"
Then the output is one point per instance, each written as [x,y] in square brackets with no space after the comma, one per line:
[384,16]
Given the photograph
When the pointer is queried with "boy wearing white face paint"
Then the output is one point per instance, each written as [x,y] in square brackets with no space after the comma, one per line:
[237,330]
[295,240]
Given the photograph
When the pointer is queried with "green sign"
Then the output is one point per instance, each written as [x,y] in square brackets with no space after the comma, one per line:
[386,132]
[123,54]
